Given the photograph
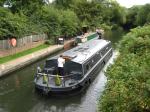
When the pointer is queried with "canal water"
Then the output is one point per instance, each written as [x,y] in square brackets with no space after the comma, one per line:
[17,93]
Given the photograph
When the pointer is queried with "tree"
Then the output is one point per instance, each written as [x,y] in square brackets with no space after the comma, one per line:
[131,17]
[2,2]
[115,14]
[143,15]
[16,25]
[63,4]
[51,18]
[69,23]
[28,7]
[89,13]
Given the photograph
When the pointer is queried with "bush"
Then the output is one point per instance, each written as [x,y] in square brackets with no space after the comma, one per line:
[105,27]
[128,84]
[16,25]
[49,42]
[69,23]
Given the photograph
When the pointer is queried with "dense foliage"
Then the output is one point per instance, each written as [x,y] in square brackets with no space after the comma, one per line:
[66,17]
[48,20]
[137,16]
[62,17]
[19,20]
[15,25]
[128,87]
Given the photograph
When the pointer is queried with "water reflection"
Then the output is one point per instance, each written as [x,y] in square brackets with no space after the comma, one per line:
[114,36]
[17,82]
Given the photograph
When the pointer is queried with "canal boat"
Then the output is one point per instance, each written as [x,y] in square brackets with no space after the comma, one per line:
[79,40]
[81,66]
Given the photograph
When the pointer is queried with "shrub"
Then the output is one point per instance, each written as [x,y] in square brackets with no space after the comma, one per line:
[49,42]
[128,88]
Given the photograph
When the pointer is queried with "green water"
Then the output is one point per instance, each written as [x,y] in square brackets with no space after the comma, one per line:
[17,93]
[114,36]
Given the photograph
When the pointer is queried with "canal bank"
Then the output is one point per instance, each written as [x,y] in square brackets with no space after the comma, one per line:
[23,61]
[18,63]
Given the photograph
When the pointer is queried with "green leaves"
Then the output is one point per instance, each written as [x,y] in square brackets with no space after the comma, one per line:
[59,22]
[138,16]
[15,25]
[69,23]
[128,88]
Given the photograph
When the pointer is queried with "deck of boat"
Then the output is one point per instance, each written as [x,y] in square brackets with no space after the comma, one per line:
[65,82]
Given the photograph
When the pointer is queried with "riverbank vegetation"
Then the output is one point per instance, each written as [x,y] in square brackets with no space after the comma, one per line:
[128,86]
[66,17]
[60,18]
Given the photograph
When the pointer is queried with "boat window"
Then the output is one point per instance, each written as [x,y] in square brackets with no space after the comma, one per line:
[72,68]
[51,67]
[103,51]
[51,63]
[92,61]
[100,54]
[96,58]
[87,67]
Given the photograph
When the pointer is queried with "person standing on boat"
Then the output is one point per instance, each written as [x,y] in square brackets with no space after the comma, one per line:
[39,70]
[98,31]
[61,62]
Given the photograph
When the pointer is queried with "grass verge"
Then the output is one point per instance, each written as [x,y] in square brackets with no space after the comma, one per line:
[23,53]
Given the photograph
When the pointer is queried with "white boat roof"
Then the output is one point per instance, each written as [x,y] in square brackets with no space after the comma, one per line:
[83,52]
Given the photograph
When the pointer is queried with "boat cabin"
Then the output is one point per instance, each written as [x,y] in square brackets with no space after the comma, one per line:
[82,58]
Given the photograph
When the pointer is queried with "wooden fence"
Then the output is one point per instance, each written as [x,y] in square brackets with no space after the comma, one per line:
[5,44]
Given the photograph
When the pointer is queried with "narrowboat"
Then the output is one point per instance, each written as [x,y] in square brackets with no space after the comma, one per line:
[79,40]
[81,67]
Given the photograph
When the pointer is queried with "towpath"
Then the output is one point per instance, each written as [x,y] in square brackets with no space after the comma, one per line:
[13,65]
[18,63]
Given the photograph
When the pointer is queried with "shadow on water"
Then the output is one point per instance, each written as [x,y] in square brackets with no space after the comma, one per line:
[17,93]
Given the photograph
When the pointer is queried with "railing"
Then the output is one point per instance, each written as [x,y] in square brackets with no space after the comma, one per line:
[57,80]
[50,75]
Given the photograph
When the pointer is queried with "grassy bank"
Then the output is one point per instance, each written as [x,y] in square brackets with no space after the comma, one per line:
[128,86]
[23,53]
